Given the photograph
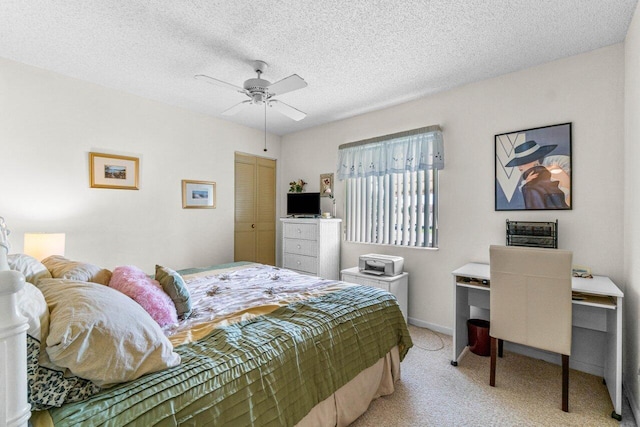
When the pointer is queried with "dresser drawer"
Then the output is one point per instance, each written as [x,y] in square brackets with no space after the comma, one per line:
[301,263]
[301,247]
[366,281]
[296,230]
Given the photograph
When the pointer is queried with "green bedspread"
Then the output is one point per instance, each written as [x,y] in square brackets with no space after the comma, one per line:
[269,371]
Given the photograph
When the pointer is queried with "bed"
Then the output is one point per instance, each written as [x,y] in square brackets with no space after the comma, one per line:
[262,346]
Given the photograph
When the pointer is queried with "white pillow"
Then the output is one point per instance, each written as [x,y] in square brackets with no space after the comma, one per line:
[101,334]
[32,305]
[32,269]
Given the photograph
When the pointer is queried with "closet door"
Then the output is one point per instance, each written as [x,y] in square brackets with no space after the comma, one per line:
[266,211]
[255,213]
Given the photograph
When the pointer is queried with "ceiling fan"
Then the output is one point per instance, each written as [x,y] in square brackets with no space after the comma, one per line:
[262,91]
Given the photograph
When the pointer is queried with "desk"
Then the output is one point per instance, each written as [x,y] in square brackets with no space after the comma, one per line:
[598,309]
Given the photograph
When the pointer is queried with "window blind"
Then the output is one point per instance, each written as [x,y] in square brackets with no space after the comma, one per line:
[391,187]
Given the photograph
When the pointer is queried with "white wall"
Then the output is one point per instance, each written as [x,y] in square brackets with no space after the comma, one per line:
[49,124]
[586,90]
[632,230]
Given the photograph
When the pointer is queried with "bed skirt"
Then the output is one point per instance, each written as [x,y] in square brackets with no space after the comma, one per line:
[352,399]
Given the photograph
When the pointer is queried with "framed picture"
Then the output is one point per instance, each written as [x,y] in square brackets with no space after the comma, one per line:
[326,185]
[533,169]
[198,194]
[111,171]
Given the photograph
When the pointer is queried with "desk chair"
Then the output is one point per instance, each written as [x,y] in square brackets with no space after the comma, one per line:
[530,302]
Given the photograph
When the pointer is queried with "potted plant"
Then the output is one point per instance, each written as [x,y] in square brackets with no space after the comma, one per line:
[297,186]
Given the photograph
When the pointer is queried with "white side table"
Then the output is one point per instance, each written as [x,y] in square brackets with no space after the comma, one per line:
[397,285]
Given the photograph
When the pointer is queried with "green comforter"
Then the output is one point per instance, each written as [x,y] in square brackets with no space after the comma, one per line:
[269,371]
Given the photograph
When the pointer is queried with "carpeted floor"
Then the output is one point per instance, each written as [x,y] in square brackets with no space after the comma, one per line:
[432,392]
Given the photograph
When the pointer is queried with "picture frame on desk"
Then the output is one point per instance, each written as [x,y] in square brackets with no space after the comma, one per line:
[533,169]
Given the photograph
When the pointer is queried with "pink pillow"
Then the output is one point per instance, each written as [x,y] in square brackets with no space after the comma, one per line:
[147,292]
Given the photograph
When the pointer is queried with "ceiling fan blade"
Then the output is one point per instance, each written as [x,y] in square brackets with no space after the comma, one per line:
[288,84]
[287,110]
[236,108]
[217,82]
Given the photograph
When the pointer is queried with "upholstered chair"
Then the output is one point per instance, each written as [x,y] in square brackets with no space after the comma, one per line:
[530,301]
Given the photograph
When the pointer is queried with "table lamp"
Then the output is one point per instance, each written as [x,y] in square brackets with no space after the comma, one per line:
[42,245]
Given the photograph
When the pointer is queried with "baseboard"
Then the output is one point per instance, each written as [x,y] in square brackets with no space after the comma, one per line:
[555,358]
[524,350]
[632,401]
[432,326]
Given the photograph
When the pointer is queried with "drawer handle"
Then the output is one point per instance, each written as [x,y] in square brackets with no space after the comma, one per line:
[299,231]
[298,262]
[299,247]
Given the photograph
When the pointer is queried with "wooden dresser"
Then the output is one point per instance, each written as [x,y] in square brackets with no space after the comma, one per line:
[312,246]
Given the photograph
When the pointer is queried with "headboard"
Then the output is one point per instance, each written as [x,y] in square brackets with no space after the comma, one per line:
[14,408]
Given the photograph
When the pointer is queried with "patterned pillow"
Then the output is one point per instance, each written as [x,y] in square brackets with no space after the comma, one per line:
[100,334]
[32,269]
[147,292]
[173,284]
[62,268]
[50,387]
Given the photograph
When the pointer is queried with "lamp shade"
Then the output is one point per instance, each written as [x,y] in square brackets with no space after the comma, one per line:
[42,245]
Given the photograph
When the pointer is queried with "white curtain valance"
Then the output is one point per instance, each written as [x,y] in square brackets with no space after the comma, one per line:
[418,149]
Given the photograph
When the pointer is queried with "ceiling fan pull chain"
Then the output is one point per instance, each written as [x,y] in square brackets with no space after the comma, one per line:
[265,126]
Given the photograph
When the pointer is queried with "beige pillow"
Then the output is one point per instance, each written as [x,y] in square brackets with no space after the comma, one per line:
[62,268]
[101,334]
[32,269]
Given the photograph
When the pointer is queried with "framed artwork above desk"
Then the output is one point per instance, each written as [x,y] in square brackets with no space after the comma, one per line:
[533,169]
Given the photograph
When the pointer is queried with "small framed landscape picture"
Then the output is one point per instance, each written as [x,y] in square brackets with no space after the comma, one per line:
[112,171]
[198,194]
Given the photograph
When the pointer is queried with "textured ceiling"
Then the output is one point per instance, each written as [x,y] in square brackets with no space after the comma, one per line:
[356,56]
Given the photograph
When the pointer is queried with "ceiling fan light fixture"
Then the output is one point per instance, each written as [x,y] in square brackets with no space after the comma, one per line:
[261,91]
[258,98]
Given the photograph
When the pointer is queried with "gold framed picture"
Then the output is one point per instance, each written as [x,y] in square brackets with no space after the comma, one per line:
[198,194]
[113,171]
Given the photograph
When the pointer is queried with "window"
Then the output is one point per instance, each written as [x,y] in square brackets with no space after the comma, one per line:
[391,186]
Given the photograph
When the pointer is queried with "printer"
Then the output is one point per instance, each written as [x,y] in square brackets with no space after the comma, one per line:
[381,265]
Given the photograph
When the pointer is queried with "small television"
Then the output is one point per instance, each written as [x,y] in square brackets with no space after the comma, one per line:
[303,204]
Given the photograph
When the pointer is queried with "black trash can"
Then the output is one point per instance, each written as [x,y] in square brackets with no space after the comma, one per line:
[479,342]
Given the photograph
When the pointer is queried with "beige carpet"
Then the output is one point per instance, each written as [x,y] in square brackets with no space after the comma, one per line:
[432,392]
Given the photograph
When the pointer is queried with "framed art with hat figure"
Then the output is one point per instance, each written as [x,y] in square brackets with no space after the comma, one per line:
[533,169]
